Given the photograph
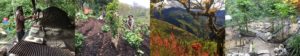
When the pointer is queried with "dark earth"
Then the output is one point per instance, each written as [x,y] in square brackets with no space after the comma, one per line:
[98,43]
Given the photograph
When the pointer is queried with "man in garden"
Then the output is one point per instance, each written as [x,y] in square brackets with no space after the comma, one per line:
[20,20]
[130,22]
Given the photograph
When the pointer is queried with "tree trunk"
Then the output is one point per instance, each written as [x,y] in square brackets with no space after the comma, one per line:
[220,35]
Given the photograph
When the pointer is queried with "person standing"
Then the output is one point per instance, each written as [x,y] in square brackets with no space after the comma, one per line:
[20,20]
[130,22]
[52,24]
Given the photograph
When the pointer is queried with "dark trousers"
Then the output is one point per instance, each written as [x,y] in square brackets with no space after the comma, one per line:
[20,35]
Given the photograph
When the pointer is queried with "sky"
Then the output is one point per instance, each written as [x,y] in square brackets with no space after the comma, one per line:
[143,3]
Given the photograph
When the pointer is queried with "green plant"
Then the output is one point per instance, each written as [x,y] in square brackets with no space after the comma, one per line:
[284,9]
[10,29]
[295,46]
[111,8]
[80,15]
[112,19]
[133,38]
[79,38]
[105,28]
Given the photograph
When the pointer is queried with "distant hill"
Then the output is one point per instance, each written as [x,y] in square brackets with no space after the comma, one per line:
[169,40]
[172,12]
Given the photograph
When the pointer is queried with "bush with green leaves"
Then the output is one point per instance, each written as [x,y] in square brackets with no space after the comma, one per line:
[294,45]
[110,18]
[110,9]
[105,28]
[79,38]
[133,38]
[244,11]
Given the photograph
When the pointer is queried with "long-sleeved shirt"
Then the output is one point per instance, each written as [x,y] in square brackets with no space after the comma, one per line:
[20,20]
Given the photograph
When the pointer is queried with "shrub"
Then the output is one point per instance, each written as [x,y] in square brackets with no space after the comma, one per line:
[133,38]
[79,38]
[105,28]
[295,46]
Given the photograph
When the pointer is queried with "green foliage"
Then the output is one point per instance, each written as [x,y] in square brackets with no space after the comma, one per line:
[184,39]
[79,38]
[8,10]
[284,9]
[209,46]
[295,46]
[9,7]
[10,29]
[70,6]
[105,28]
[140,14]
[112,19]
[111,8]
[246,11]
[133,38]
[97,5]
[81,16]
[258,9]
[194,26]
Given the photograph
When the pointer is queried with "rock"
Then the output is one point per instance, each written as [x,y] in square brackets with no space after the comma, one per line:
[264,55]
[35,35]
[263,52]
[2,33]
[280,36]
[260,26]
[265,36]
[293,29]
[12,54]
[280,51]
[3,51]
[115,41]
[260,29]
